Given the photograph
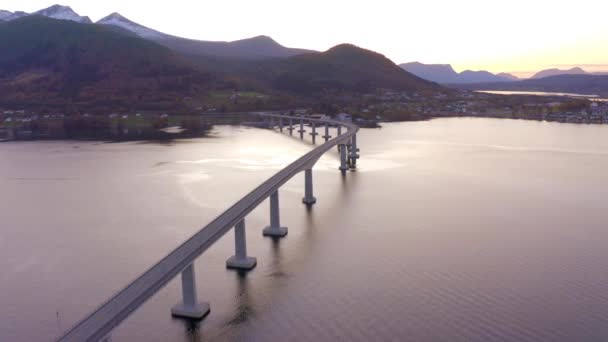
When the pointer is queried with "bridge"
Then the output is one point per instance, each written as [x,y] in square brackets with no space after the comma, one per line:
[98,325]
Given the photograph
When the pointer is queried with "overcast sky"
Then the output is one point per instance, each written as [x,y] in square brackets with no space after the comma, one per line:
[512,36]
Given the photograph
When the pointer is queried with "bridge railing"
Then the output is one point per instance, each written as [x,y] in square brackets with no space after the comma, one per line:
[98,324]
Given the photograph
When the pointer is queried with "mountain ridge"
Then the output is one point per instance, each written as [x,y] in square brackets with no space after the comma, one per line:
[556,72]
[49,62]
[258,47]
[52,63]
[445,74]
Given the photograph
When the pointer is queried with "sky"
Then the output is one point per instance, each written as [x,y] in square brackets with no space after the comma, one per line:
[517,36]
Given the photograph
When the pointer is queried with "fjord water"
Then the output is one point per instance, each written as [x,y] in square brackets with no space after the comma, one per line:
[450,230]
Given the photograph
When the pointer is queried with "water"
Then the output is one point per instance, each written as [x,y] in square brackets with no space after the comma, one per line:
[544,93]
[463,229]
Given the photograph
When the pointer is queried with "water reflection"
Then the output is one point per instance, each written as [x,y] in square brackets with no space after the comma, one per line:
[245,310]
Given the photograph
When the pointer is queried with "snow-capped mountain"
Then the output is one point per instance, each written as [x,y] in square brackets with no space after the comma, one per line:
[256,47]
[64,13]
[55,12]
[8,16]
[140,30]
[5,14]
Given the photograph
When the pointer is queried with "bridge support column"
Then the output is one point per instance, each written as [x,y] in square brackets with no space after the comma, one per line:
[339,134]
[275,229]
[314,132]
[308,199]
[240,260]
[343,158]
[354,152]
[326,136]
[190,307]
[290,127]
[301,131]
[281,124]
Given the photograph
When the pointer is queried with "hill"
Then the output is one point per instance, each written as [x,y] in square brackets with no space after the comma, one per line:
[445,74]
[253,48]
[440,73]
[50,62]
[508,76]
[342,68]
[577,84]
[557,72]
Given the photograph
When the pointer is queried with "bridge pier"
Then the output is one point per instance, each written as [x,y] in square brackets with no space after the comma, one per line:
[281,124]
[326,136]
[354,152]
[308,199]
[240,260]
[275,229]
[314,132]
[339,134]
[190,307]
[343,158]
[301,131]
[290,129]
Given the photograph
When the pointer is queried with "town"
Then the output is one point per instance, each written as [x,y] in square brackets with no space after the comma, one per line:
[368,110]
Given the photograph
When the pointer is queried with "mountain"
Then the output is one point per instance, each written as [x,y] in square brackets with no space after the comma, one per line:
[342,68]
[47,62]
[8,16]
[55,12]
[253,48]
[50,64]
[440,73]
[115,19]
[576,84]
[4,15]
[63,13]
[444,73]
[508,76]
[469,76]
[556,72]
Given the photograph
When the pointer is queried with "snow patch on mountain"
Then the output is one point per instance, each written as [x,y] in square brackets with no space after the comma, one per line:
[8,16]
[4,15]
[140,30]
[63,13]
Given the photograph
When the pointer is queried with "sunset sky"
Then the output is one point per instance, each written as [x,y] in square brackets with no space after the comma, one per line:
[511,36]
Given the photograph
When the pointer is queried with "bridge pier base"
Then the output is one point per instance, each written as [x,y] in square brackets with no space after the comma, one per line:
[190,307]
[308,199]
[275,229]
[240,260]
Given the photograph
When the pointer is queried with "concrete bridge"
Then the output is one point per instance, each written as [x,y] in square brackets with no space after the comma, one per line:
[98,325]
